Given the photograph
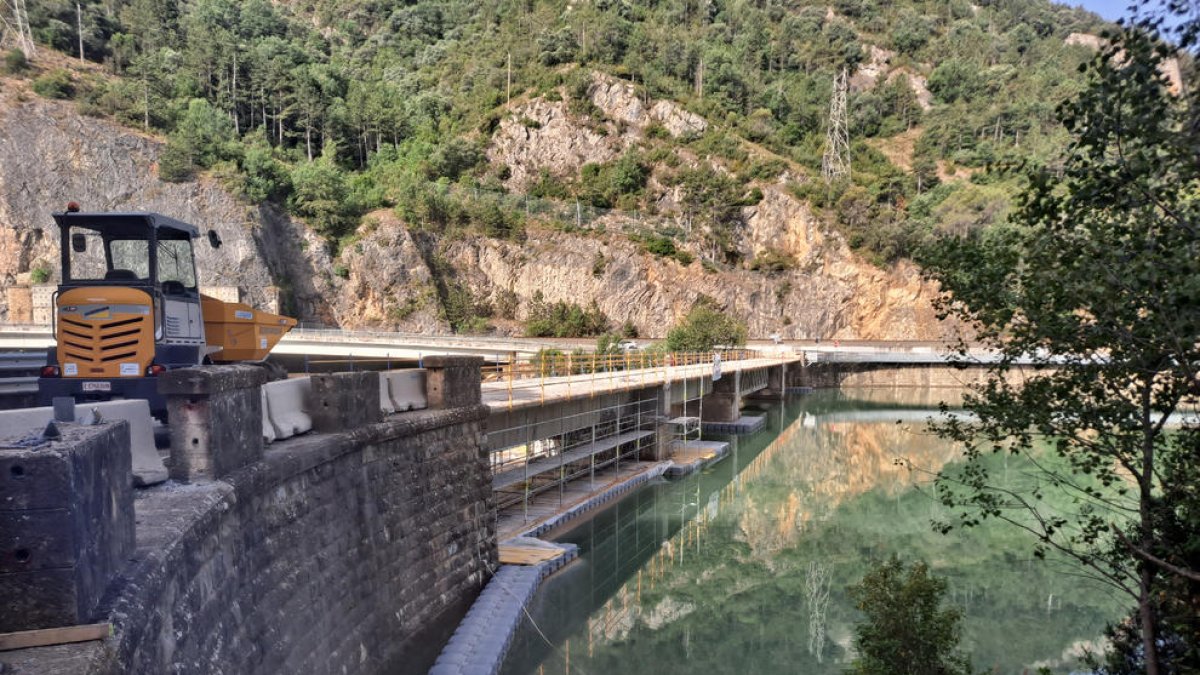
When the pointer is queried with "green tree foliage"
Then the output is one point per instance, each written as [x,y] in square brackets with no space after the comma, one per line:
[203,137]
[264,176]
[15,62]
[564,320]
[608,343]
[906,630]
[1097,283]
[320,194]
[55,84]
[704,328]
[605,185]
[912,32]
[956,80]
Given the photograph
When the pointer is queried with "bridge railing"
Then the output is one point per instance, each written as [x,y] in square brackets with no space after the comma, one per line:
[555,363]
[584,373]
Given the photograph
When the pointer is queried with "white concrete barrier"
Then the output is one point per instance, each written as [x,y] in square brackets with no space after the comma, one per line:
[385,395]
[289,404]
[407,388]
[268,429]
[148,468]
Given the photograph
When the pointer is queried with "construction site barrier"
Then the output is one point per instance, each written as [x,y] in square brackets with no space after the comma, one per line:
[289,406]
[268,432]
[385,396]
[406,388]
[148,468]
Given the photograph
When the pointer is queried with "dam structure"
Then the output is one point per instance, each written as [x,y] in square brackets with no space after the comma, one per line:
[340,522]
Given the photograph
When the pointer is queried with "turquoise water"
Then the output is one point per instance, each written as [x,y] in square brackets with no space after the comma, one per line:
[743,568]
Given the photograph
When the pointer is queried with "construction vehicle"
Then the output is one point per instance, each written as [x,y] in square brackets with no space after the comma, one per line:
[129,308]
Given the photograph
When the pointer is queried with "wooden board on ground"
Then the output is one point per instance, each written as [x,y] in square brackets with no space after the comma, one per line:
[517,554]
[45,637]
[687,455]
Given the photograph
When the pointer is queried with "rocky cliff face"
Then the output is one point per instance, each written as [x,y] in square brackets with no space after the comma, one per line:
[835,299]
[389,278]
[50,155]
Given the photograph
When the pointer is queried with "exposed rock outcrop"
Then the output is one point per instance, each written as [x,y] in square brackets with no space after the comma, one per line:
[50,155]
[540,135]
[619,100]
[388,278]
[876,66]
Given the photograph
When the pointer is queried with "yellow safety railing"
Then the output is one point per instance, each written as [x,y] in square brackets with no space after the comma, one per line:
[550,365]
[564,369]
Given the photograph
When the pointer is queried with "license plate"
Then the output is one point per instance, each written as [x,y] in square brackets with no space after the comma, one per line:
[97,386]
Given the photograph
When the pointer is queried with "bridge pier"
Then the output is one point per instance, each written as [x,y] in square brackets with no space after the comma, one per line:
[777,383]
[724,404]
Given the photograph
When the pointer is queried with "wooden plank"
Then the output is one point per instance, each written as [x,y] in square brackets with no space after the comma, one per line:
[511,554]
[45,637]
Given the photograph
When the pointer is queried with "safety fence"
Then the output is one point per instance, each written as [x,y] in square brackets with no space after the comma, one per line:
[571,375]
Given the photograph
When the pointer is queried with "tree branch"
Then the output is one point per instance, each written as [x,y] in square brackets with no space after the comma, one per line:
[1155,560]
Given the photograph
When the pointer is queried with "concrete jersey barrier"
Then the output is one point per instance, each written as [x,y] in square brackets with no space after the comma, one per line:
[288,407]
[385,396]
[148,468]
[407,389]
[268,429]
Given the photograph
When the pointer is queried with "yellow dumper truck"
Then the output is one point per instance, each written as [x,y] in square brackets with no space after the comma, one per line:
[129,308]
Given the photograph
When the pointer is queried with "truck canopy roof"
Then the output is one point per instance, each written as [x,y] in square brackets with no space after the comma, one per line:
[131,224]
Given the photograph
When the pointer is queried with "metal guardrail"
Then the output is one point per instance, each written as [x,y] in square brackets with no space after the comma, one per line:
[19,372]
[18,385]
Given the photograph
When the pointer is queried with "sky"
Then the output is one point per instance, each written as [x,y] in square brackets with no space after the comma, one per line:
[1111,9]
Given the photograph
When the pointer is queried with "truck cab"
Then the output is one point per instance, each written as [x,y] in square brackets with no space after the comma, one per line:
[129,308]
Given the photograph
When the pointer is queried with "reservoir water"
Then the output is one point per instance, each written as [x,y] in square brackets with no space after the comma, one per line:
[743,568]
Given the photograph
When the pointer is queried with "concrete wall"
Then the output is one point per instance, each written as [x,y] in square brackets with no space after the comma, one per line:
[835,375]
[338,552]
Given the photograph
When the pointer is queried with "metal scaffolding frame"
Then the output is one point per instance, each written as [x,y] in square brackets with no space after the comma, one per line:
[684,427]
[617,432]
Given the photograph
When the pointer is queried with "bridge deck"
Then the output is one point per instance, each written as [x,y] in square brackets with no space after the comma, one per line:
[532,392]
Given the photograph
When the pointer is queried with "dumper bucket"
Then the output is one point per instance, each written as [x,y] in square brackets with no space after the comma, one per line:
[241,332]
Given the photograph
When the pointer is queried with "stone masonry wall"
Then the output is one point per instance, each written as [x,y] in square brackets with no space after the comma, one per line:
[336,553]
[332,556]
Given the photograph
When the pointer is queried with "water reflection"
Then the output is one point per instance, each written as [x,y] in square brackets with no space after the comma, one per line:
[743,568]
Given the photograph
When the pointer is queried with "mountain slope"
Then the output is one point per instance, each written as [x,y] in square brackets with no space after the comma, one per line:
[635,155]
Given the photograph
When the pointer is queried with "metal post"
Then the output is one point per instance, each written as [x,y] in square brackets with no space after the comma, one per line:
[562,449]
[512,366]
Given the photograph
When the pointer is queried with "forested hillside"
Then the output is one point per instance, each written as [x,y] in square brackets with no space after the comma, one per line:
[334,109]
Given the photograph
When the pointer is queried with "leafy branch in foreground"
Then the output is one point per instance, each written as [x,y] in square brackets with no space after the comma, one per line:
[1092,298]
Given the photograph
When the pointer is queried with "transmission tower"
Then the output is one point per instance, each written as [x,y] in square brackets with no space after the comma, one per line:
[835,163]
